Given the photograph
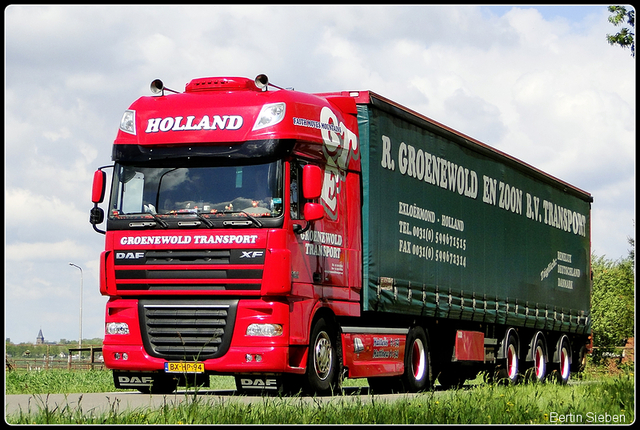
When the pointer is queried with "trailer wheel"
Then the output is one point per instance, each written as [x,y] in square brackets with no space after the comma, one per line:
[323,375]
[508,370]
[562,369]
[538,371]
[417,366]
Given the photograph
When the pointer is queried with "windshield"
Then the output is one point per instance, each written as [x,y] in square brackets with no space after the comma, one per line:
[254,190]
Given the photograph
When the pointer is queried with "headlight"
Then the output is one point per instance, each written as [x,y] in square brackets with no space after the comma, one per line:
[270,114]
[128,122]
[267,330]
[116,328]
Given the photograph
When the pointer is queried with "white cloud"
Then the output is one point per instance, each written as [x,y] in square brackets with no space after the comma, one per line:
[543,87]
[37,251]
[32,215]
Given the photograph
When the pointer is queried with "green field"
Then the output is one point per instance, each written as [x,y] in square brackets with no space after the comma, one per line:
[594,399]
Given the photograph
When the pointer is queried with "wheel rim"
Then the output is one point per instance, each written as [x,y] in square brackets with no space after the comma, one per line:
[564,363]
[512,362]
[323,355]
[418,360]
[540,365]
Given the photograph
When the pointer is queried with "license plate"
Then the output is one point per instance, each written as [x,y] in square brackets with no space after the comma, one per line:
[184,367]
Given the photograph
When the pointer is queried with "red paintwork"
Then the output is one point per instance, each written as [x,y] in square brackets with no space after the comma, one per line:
[325,130]
[243,104]
[382,354]
[469,346]
[274,350]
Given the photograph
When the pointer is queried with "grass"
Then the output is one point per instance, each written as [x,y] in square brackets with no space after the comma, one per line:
[78,381]
[601,399]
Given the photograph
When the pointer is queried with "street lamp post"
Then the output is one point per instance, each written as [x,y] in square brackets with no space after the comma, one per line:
[81,281]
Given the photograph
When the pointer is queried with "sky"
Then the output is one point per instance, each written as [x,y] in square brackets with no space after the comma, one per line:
[540,83]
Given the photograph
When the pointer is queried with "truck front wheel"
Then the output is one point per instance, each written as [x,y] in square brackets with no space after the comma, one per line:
[323,373]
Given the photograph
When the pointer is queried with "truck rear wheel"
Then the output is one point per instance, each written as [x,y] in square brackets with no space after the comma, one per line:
[323,373]
[417,366]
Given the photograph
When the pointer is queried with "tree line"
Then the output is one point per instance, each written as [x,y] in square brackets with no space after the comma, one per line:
[612,303]
[39,351]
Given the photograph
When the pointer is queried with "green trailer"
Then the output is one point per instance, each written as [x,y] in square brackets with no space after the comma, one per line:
[466,236]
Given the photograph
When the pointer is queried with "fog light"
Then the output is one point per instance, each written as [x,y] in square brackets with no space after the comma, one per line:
[258,358]
[249,358]
[268,330]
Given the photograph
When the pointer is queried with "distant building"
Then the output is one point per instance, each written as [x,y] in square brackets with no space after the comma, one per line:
[40,338]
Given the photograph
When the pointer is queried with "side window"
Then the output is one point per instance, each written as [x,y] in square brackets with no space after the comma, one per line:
[295,190]
[132,194]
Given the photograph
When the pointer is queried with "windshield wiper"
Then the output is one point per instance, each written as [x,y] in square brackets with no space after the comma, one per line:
[204,220]
[160,221]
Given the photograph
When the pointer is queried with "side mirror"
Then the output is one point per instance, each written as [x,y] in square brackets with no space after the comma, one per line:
[311,182]
[311,190]
[96,216]
[97,193]
[313,212]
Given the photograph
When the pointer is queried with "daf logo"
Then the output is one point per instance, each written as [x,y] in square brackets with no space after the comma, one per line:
[135,380]
[252,254]
[129,255]
[259,383]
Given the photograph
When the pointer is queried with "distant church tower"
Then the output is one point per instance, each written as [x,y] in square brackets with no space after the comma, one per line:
[40,338]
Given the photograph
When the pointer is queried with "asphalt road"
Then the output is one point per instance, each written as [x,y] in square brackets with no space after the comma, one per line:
[103,402]
[121,401]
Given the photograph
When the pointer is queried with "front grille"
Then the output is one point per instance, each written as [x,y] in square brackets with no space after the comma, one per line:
[187,329]
[196,256]
[197,269]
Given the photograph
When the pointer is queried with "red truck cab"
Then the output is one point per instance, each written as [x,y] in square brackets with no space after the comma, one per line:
[209,265]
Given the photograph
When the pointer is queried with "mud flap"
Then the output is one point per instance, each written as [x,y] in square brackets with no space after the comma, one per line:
[135,380]
[257,383]
[157,381]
